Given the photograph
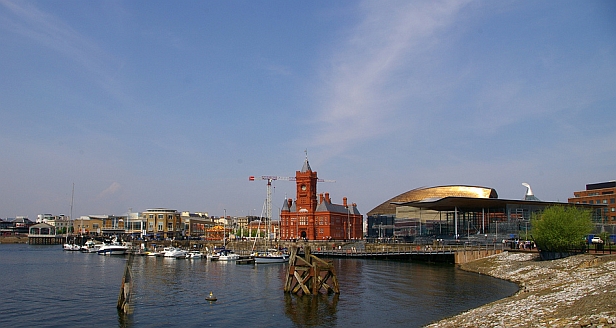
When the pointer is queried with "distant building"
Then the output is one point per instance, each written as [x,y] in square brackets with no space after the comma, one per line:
[21,224]
[312,218]
[163,223]
[602,193]
[195,224]
[43,234]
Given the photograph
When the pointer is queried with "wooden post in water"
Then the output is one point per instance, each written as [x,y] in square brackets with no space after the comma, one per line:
[124,299]
[309,274]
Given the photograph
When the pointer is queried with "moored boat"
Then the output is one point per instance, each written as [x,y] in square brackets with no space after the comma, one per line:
[113,248]
[225,255]
[194,255]
[271,256]
[71,247]
[174,252]
[90,247]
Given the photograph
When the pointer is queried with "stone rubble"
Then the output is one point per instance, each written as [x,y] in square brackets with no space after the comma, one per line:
[577,291]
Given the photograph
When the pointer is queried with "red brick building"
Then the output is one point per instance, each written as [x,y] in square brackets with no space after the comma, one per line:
[312,218]
[602,193]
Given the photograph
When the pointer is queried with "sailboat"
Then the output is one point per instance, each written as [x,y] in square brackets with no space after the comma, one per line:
[68,246]
[271,255]
[225,254]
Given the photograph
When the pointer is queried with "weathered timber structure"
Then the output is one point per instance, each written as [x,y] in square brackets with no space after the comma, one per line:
[124,299]
[309,274]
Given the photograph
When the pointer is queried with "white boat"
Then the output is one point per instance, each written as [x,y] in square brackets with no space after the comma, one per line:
[113,248]
[194,255]
[225,255]
[71,247]
[174,252]
[271,256]
[91,247]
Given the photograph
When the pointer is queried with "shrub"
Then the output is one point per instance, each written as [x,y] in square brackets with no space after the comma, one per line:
[561,228]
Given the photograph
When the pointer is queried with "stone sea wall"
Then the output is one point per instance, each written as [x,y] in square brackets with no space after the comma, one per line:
[578,291]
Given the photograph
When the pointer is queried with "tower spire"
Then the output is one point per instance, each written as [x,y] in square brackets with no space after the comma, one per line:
[306,166]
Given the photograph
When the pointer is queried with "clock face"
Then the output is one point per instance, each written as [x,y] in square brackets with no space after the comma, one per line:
[303,187]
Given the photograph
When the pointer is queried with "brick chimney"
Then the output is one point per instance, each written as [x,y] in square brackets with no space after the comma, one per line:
[344,201]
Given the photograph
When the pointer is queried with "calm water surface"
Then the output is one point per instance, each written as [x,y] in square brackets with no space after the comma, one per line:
[44,286]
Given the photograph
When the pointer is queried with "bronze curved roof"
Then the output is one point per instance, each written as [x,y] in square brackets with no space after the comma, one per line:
[387,208]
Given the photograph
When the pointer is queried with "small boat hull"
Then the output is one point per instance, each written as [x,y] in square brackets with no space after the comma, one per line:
[113,250]
[271,259]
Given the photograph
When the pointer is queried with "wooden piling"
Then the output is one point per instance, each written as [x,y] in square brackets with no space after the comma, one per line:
[124,299]
[310,274]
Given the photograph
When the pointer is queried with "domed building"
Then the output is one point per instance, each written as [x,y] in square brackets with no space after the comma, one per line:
[454,211]
[389,219]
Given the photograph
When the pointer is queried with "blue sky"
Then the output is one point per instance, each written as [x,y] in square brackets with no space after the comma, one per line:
[144,104]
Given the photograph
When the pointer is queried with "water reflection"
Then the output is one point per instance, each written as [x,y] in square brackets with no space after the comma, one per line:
[311,310]
[169,292]
[125,320]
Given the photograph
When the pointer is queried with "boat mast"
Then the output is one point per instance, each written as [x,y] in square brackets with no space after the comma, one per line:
[71,218]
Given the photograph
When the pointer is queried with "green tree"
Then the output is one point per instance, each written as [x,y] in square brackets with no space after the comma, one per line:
[561,228]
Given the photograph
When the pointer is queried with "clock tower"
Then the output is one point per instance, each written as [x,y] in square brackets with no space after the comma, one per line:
[312,218]
[306,184]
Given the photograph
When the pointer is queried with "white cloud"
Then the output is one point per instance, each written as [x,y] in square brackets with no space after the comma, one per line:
[363,85]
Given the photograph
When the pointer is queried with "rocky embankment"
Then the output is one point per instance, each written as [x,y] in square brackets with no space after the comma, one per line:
[578,291]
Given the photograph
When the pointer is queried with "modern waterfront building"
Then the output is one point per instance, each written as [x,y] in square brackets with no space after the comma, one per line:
[317,218]
[455,211]
[602,193]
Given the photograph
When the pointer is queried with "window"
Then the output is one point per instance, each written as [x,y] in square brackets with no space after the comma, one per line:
[160,216]
[160,226]
[612,200]
[605,201]
[170,226]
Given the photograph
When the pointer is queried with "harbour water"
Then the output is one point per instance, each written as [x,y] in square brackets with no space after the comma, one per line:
[44,286]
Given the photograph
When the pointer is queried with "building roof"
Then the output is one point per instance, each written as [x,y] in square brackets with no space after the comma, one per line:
[389,208]
[326,206]
[469,204]
[306,166]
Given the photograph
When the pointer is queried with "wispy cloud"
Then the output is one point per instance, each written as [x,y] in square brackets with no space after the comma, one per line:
[51,32]
[363,85]
[111,190]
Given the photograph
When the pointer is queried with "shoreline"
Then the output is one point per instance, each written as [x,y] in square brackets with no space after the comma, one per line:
[577,291]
